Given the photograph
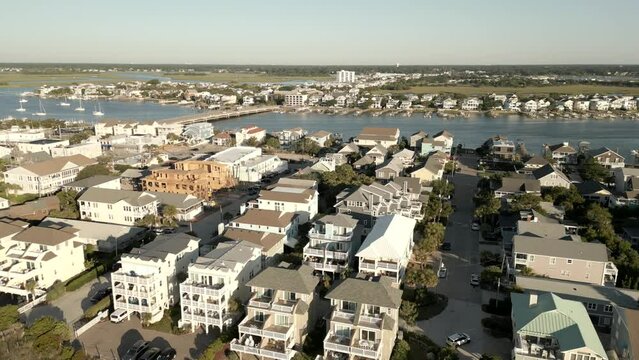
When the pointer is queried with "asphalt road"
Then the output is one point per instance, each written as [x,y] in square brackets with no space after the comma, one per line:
[463,313]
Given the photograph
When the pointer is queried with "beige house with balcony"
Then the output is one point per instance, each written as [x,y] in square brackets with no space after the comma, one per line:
[388,247]
[147,282]
[280,313]
[548,327]
[364,319]
[562,259]
[213,280]
[38,254]
[333,241]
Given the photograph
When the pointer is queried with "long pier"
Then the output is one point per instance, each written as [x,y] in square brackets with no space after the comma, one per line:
[219,115]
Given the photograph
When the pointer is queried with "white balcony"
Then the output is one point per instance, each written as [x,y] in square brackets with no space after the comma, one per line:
[132,279]
[202,289]
[385,265]
[285,354]
[343,344]
[286,306]
[261,302]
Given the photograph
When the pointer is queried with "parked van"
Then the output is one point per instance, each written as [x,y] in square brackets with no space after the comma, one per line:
[118,316]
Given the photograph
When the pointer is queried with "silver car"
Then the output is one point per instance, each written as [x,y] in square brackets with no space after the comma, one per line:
[458,339]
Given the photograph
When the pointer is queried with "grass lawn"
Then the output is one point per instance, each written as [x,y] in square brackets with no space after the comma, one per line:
[169,322]
[532,90]
[242,77]
[35,80]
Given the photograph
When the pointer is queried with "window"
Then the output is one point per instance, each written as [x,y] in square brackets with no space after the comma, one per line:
[553,261]
[608,308]
[259,316]
[348,306]
[592,306]
[568,261]
[368,335]
[343,331]
[282,320]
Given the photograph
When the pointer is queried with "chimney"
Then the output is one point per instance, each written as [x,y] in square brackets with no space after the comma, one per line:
[532,301]
[565,143]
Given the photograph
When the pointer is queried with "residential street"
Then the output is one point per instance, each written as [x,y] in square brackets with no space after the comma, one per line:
[463,313]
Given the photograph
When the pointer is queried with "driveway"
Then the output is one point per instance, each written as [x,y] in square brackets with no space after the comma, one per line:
[463,313]
[109,341]
[70,307]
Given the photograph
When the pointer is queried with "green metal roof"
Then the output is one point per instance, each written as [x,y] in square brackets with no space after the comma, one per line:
[565,320]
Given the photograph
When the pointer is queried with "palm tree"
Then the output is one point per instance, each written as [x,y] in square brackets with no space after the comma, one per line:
[30,286]
[169,212]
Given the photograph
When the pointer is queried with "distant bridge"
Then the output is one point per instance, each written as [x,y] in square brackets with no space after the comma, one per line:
[219,115]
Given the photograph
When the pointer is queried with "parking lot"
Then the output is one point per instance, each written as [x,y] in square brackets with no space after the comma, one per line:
[109,341]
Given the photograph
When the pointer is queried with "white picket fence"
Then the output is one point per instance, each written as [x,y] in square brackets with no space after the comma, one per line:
[82,329]
[24,308]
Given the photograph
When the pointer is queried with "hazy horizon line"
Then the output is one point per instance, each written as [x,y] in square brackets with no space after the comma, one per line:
[345,65]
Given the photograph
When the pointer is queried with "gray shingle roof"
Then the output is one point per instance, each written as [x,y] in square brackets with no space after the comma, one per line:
[299,280]
[560,248]
[380,293]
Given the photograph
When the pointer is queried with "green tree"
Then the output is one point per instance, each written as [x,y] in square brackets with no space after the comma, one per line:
[569,198]
[419,277]
[68,205]
[169,213]
[49,337]
[31,286]
[272,143]
[524,202]
[93,170]
[408,311]
[251,142]
[490,275]
[79,137]
[173,137]
[489,357]
[401,350]
[592,170]
[8,316]
[306,146]
[148,221]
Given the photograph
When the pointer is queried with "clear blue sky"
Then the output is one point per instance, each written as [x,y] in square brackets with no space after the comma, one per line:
[321,32]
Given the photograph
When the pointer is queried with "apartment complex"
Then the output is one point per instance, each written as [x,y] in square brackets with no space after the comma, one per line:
[269,221]
[364,319]
[547,326]
[41,255]
[371,136]
[333,241]
[46,177]
[147,282]
[295,99]
[248,164]
[290,195]
[370,201]
[213,280]
[344,76]
[387,247]
[280,313]
[192,177]
[125,207]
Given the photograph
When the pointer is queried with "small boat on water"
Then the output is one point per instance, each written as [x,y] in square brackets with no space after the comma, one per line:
[23,100]
[65,102]
[42,111]
[21,108]
[79,108]
[97,110]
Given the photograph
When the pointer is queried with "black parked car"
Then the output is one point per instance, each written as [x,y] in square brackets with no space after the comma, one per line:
[150,354]
[138,348]
[167,354]
[100,294]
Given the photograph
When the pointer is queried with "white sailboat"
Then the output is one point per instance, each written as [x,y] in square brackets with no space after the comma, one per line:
[23,100]
[79,108]
[21,109]
[97,111]
[42,111]
[65,102]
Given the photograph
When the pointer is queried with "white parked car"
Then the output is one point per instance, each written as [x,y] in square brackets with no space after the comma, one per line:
[442,271]
[118,316]
[474,280]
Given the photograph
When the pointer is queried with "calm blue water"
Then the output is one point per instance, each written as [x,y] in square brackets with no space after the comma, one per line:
[620,134]
[111,109]
[616,134]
